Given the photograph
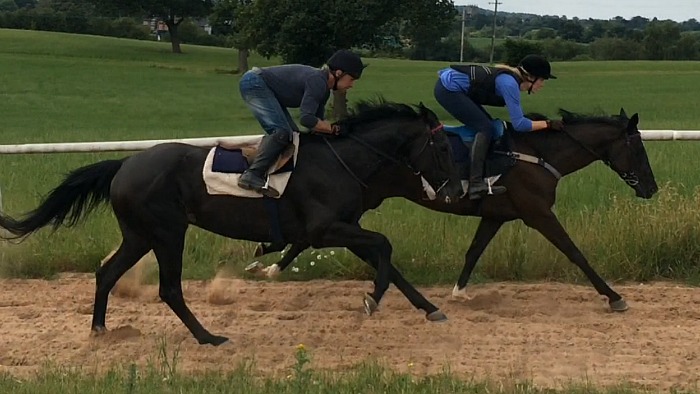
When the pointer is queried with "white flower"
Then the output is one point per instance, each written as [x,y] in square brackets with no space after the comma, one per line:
[318,257]
[295,269]
[332,252]
[312,263]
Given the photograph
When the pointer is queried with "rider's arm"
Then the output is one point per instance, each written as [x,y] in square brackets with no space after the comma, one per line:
[508,87]
[313,105]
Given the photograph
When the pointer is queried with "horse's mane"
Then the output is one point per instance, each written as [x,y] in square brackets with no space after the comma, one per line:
[578,118]
[536,116]
[371,110]
[569,117]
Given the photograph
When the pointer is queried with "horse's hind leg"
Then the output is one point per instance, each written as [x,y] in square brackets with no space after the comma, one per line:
[275,269]
[549,226]
[130,251]
[169,255]
[263,248]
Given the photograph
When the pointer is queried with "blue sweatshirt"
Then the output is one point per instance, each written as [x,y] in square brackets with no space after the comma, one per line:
[506,87]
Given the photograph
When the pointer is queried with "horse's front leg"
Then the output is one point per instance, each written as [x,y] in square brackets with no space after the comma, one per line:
[548,225]
[484,234]
[375,249]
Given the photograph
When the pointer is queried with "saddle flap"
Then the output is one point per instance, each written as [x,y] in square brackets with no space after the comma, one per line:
[283,162]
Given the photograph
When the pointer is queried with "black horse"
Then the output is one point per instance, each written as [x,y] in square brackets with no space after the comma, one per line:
[157,193]
[542,159]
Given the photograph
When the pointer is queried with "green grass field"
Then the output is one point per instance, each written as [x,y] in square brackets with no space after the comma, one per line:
[62,88]
[162,375]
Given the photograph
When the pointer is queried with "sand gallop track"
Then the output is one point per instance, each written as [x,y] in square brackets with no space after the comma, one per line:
[550,333]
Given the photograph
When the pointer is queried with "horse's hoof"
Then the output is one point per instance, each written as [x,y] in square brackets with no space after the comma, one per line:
[214,340]
[97,331]
[259,250]
[460,294]
[370,304]
[436,317]
[272,271]
[619,305]
[254,268]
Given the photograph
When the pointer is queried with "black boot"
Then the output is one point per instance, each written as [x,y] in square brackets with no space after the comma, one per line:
[254,178]
[477,187]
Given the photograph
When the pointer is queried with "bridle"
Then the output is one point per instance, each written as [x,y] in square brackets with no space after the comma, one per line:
[428,141]
[630,178]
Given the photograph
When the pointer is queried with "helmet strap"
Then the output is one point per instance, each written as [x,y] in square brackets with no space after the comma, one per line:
[336,79]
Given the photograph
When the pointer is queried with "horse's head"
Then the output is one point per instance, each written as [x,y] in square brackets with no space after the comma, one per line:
[414,138]
[623,151]
[431,155]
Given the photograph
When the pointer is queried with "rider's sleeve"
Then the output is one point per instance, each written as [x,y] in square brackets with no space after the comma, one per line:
[315,96]
[508,88]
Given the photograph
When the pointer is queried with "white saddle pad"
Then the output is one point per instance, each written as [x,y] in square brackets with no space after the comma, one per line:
[225,183]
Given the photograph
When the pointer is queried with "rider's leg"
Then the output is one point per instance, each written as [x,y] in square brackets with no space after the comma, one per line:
[276,122]
[462,108]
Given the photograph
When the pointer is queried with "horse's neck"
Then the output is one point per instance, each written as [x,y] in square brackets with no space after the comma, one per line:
[557,148]
[395,180]
[380,142]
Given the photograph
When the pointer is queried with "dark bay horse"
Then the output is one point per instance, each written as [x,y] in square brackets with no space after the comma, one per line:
[531,189]
[157,193]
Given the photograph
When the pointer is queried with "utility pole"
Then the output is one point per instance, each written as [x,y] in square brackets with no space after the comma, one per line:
[493,34]
[461,45]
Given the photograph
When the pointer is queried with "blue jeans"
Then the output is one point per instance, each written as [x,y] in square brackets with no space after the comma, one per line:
[262,102]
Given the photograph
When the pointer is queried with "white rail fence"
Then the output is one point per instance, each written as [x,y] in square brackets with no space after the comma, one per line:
[113,146]
[74,147]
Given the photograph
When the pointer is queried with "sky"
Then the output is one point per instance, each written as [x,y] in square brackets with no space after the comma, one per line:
[677,10]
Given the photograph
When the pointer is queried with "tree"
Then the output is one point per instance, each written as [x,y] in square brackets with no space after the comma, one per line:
[518,49]
[172,12]
[687,48]
[571,30]
[226,20]
[425,23]
[26,3]
[309,31]
[8,6]
[660,38]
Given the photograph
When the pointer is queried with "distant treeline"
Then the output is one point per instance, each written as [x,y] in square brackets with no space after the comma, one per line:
[559,38]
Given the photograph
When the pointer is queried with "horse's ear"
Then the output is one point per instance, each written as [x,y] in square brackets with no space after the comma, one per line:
[632,125]
[623,114]
[422,109]
[634,121]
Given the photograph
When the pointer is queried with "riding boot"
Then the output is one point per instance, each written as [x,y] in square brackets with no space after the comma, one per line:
[477,187]
[254,178]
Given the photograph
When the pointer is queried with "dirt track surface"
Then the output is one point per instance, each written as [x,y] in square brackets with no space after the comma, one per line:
[550,333]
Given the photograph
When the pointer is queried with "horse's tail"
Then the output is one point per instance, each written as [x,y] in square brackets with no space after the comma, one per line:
[81,191]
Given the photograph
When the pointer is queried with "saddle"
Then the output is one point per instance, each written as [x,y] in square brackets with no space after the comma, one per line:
[498,160]
[235,160]
[226,162]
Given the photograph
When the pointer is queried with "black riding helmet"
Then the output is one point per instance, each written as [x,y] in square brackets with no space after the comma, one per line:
[348,62]
[537,66]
